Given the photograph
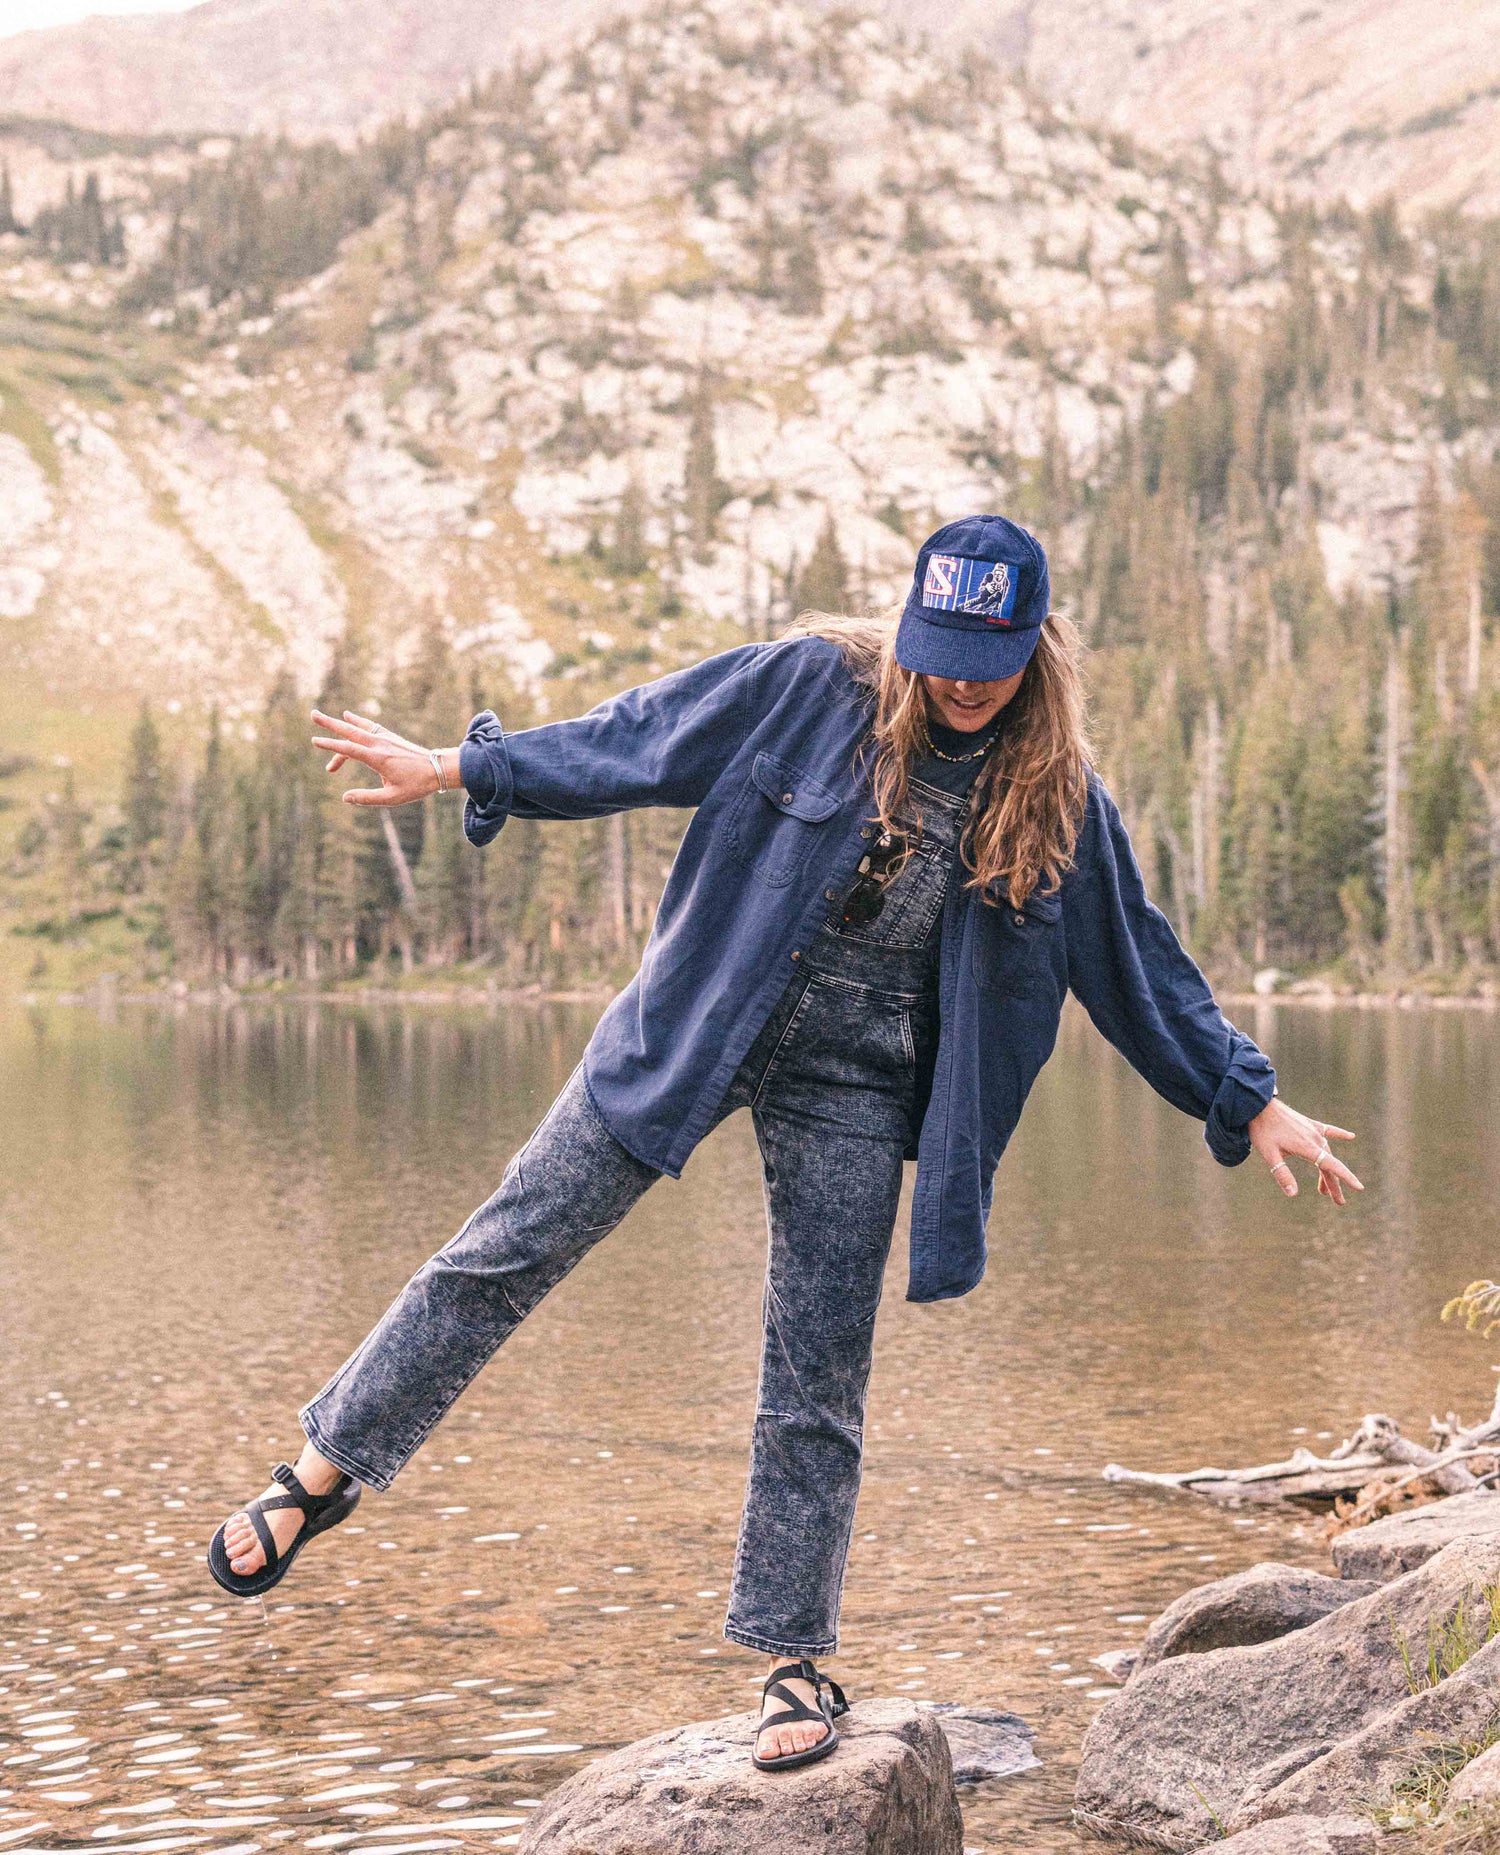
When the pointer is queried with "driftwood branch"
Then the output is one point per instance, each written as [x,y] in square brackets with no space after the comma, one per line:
[1376,1445]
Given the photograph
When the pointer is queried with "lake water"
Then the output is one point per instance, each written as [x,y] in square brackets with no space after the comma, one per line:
[201,1211]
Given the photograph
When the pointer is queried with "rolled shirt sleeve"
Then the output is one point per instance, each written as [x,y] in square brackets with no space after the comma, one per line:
[484,767]
[664,743]
[1146,995]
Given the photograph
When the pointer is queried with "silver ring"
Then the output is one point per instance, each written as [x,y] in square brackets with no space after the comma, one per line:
[1279,1164]
[1326,1153]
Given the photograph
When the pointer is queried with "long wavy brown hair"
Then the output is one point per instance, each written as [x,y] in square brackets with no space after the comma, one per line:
[1028,801]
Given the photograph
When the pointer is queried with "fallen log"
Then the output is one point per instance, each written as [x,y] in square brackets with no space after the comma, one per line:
[1375,1448]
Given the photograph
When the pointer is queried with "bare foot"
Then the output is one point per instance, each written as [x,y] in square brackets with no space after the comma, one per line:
[242,1542]
[797,1735]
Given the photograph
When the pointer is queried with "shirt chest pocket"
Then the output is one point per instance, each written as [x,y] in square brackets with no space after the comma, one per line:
[1013,947]
[772,824]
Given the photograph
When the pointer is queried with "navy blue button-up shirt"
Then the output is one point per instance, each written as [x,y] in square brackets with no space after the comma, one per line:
[765,741]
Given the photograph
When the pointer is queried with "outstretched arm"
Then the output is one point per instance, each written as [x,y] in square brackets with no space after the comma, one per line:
[663,743]
[1144,992]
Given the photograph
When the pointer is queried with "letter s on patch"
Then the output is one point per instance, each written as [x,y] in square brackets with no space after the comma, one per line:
[942,572]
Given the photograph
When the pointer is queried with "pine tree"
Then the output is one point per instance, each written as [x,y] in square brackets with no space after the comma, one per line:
[802,291]
[823,584]
[8,220]
[144,800]
[701,472]
[628,555]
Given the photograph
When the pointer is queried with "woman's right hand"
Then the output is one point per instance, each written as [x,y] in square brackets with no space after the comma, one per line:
[405,767]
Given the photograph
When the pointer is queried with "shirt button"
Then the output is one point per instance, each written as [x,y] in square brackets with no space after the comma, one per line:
[830,895]
[1020,920]
[787,797]
[796,955]
[867,832]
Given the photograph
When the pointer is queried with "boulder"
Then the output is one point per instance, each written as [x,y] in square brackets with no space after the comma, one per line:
[1255,1606]
[1228,1736]
[1477,1785]
[1305,1835]
[984,1742]
[1366,1767]
[1389,1548]
[887,1789]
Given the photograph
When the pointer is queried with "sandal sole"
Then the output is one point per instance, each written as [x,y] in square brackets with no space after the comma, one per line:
[255,1584]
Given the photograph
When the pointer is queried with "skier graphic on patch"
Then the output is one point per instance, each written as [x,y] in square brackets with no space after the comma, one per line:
[988,598]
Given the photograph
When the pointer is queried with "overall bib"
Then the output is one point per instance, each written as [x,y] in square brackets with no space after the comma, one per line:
[836,1084]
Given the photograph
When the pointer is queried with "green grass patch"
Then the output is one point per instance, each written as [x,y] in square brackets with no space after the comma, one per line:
[1451,1641]
[22,420]
[1418,1798]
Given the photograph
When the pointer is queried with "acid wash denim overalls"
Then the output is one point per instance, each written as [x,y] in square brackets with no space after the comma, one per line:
[915,1035]
[835,1083]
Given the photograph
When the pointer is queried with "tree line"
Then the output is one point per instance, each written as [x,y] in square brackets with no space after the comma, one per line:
[243,865]
[1313,780]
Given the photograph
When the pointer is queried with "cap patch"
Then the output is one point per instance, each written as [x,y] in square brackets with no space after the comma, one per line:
[960,583]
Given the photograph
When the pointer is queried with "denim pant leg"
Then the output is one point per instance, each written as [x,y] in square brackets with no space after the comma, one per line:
[568,1186]
[832,1197]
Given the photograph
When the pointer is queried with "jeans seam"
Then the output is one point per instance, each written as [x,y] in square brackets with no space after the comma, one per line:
[874,990]
[771,1060]
[344,1459]
[775,1645]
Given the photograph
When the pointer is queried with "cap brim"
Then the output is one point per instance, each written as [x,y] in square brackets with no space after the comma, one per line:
[964,655]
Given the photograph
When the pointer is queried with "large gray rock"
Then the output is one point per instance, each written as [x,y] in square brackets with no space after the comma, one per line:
[984,1742]
[1389,1548]
[1255,1606]
[1366,1767]
[1477,1785]
[1203,1740]
[886,1790]
[1304,1835]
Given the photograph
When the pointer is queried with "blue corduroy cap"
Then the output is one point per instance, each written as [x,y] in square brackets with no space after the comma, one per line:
[977,601]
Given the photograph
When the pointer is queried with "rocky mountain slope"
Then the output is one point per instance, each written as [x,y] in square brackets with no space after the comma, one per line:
[649,343]
[666,310]
[306,67]
[706,284]
[1342,97]
[1338,99]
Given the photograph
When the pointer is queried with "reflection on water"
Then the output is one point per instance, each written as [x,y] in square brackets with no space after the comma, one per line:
[201,1212]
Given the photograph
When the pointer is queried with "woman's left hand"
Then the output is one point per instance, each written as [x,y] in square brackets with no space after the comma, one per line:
[406,768]
[1279,1132]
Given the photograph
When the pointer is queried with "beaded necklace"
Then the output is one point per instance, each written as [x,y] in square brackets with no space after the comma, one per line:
[960,759]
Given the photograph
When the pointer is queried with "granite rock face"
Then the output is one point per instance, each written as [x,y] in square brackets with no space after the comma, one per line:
[1251,1607]
[984,1742]
[1305,1835]
[1477,1785]
[1312,1723]
[887,1789]
[1400,1543]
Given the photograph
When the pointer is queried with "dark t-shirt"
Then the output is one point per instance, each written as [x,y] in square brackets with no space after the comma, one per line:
[955,775]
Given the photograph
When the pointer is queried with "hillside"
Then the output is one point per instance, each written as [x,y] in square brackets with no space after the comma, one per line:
[653,342]
[303,67]
[1340,99]
[1344,98]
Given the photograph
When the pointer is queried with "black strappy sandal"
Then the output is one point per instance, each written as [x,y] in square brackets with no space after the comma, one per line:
[829,1707]
[321,1512]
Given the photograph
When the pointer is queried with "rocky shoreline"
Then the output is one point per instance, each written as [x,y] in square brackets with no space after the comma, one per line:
[1340,1709]
[1278,1711]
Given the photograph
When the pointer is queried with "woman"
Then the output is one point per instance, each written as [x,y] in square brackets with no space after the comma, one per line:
[899,861]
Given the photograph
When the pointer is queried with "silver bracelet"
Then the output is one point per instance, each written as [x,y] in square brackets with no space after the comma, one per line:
[437,766]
